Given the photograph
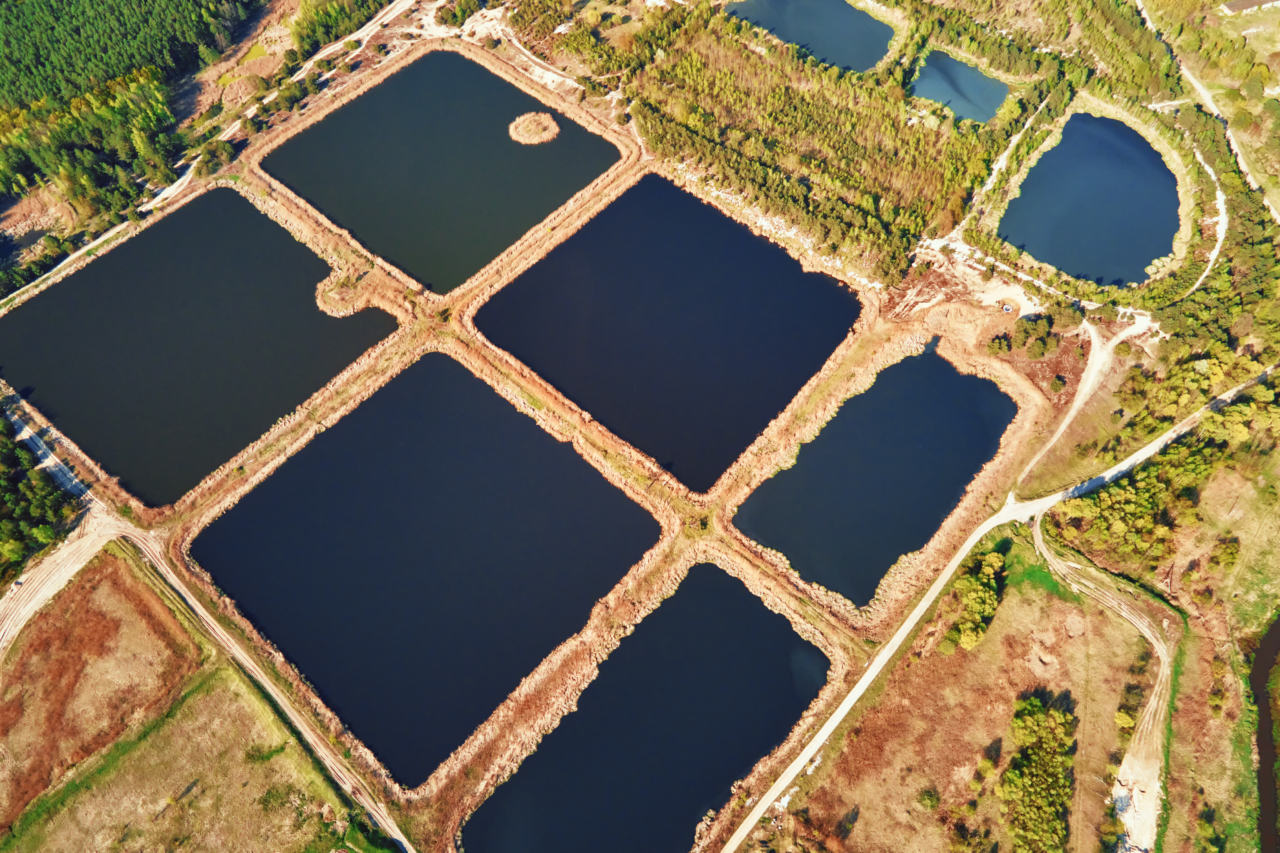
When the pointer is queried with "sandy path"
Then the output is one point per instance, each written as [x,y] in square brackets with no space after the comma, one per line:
[1014,510]
[1137,792]
[1222,222]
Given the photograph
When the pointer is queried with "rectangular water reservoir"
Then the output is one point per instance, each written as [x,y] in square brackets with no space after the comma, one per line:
[422,556]
[174,351]
[423,169]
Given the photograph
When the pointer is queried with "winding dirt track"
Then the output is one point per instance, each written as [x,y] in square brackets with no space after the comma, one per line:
[1137,791]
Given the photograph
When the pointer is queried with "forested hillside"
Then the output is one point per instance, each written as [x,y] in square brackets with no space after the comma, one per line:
[64,48]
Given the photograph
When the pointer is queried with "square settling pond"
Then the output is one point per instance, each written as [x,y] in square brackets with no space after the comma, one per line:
[173,352]
[674,326]
[422,556]
[423,171]
[881,476]
[708,684]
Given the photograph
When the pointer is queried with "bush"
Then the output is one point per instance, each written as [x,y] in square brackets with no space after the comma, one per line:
[1057,384]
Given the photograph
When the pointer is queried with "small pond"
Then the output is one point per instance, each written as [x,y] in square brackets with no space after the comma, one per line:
[674,326]
[1100,205]
[421,557]
[423,171]
[966,90]
[177,349]
[832,30]
[881,476]
[708,684]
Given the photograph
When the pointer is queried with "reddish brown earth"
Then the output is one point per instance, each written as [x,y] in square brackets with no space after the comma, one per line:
[102,656]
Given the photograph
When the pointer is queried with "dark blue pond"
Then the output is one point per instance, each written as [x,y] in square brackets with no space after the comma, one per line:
[832,30]
[423,171]
[685,339]
[421,557]
[1100,205]
[708,684]
[176,350]
[966,90]
[881,476]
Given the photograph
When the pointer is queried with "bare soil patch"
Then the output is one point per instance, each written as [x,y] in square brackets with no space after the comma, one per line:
[939,715]
[103,655]
[534,128]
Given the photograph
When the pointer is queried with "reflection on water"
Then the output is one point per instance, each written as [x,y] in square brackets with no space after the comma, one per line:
[966,90]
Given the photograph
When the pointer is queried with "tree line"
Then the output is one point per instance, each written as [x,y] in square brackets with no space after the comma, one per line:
[32,507]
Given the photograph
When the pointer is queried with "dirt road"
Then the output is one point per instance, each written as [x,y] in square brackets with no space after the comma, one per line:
[1137,792]
[1101,356]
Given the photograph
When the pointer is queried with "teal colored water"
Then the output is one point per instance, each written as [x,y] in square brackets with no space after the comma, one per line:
[832,30]
[423,171]
[966,90]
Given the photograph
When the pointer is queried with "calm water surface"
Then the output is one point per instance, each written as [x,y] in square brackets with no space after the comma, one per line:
[1263,662]
[173,352]
[423,172]
[1100,205]
[832,30]
[880,477]
[421,557]
[966,90]
[686,348]
[707,685]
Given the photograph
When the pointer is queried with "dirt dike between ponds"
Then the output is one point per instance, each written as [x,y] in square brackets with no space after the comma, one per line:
[433,813]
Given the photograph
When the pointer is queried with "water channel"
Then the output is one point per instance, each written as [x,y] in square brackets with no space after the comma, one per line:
[177,349]
[1100,205]
[707,685]
[1265,660]
[881,476]
[421,557]
[966,90]
[423,171]
[687,346]
[832,30]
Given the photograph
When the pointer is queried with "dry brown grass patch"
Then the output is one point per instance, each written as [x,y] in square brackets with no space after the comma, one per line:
[104,654]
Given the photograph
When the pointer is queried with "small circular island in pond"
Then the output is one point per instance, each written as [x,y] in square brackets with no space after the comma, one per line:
[534,129]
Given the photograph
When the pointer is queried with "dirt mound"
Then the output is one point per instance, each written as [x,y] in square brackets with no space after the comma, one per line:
[534,129]
[242,90]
